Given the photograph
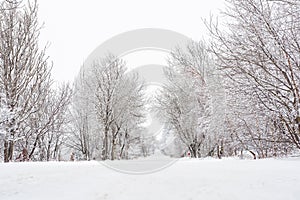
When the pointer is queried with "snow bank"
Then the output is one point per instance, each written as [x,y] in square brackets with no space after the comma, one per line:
[185,179]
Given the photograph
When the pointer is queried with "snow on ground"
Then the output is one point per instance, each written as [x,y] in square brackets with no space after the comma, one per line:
[185,179]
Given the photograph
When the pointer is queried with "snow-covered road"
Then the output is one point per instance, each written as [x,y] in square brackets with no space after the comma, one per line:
[186,179]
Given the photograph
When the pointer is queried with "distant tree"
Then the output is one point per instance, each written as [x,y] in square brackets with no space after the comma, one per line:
[118,102]
[185,101]
[116,99]
[84,138]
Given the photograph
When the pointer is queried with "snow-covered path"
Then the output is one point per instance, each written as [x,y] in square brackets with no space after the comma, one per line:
[186,179]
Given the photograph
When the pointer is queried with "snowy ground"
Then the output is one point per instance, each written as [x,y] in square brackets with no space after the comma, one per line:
[185,179]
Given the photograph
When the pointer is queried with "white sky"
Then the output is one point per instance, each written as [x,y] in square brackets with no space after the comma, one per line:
[74,28]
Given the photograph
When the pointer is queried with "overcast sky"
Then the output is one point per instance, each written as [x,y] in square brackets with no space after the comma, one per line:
[74,28]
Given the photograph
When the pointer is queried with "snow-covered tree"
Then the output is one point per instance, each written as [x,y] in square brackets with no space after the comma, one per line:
[44,132]
[117,102]
[259,53]
[185,102]
[29,108]
[84,139]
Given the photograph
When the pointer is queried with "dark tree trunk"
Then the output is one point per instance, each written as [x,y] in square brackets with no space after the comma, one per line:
[253,154]
[113,146]
[6,151]
[10,150]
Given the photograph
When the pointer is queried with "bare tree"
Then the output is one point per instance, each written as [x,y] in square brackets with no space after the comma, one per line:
[185,102]
[117,101]
[259,52]
[84,138]
[23,69]
[45,130]
[30,109]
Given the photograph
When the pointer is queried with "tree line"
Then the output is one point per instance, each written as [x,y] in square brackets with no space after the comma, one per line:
[237,92]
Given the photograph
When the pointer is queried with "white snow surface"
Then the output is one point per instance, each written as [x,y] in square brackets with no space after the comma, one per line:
[185,179]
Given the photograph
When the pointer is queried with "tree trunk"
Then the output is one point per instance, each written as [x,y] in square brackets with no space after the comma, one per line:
[121,151]
[193,150]
[6,151]
[10,150]
[105,145]
[113,146]
[48,151]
